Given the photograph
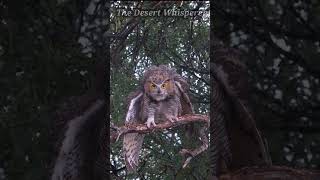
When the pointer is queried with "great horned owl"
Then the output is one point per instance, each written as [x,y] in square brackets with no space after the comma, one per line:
[235,140]
[161,97]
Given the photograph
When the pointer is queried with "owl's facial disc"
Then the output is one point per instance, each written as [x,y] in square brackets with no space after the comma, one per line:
[158,91]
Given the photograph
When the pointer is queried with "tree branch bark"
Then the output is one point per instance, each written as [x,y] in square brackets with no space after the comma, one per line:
[188,154]
[117,132]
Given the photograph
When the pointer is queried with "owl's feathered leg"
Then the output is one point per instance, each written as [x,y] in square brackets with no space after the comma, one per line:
[150,120]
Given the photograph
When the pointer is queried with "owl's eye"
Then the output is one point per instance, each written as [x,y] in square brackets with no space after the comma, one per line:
[163,85]
[153,86]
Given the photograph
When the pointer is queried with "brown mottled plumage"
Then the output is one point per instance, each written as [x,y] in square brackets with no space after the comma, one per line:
[162,96]
[235,140]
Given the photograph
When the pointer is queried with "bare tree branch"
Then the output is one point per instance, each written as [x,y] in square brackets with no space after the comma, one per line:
[188,154]
[117,132]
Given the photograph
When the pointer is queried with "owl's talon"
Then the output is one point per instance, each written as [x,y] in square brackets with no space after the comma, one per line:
[150,122]
[172,118]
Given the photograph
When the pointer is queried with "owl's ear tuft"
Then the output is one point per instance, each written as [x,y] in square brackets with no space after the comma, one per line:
[148,72]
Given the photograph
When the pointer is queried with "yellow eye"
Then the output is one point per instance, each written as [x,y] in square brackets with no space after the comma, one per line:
[163,86]
[152,86]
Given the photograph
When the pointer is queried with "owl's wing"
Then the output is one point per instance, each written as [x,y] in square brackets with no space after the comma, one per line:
[191,131]
[81,150]
[241,126]
[182,87]
[132,142]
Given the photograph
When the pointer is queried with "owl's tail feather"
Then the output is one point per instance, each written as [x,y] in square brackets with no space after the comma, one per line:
[132,143]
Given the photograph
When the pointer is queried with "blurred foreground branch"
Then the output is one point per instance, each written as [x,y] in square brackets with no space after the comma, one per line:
[272,172]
